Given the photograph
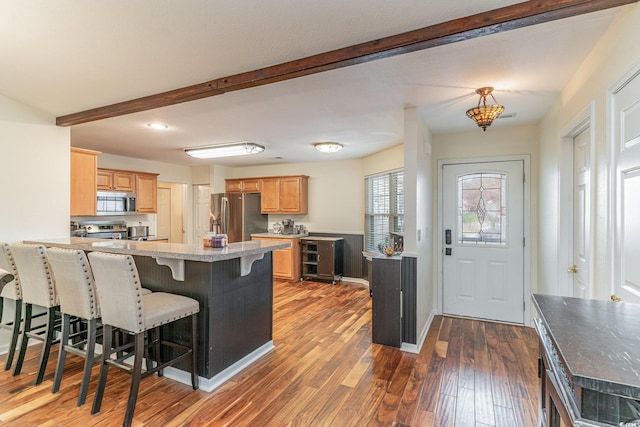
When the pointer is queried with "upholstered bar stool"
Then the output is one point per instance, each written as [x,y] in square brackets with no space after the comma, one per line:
[78,300]
[38,289]
[10,291]
[123,305]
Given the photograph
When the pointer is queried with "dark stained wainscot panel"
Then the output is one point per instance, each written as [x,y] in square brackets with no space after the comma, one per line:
[409,297]
[234,305]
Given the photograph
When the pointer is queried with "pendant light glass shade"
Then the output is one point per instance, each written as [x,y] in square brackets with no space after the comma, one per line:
[485,114]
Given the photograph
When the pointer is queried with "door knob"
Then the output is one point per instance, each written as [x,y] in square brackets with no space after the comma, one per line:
[615,298]
[573,269]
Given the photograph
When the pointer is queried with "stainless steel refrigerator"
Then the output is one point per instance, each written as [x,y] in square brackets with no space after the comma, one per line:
[237,215]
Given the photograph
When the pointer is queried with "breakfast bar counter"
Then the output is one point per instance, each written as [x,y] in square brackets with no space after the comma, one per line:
[233,285]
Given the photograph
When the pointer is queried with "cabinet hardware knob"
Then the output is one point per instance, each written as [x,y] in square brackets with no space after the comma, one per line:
[573,269]
[615,298]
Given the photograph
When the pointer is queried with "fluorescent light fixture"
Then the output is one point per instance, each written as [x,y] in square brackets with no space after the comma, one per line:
[157,126]
[328,147]
[224,150]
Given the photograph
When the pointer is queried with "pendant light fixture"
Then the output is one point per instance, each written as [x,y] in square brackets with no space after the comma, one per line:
[485,114]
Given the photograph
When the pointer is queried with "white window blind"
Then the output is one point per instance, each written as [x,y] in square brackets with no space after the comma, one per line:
[384,211]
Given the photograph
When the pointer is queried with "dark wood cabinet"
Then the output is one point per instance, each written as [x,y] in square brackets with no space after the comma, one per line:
[322,258]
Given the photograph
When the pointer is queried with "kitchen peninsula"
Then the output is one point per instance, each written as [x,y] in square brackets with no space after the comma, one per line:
[233,285]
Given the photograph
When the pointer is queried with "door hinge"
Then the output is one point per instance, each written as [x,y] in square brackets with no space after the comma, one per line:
[524,243]
[524,178]
[524,306]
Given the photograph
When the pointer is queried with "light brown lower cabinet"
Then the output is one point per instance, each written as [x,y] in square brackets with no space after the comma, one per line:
[286,262]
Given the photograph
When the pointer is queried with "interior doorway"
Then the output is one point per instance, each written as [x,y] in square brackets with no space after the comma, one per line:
[170,220]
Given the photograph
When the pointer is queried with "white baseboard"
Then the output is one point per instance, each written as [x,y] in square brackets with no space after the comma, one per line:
[210,384]
[415,348]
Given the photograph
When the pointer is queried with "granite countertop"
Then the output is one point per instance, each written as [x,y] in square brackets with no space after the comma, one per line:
[280,235]
[598,340]
[165,250]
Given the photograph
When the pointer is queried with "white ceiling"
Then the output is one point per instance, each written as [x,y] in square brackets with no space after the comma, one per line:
[68,56]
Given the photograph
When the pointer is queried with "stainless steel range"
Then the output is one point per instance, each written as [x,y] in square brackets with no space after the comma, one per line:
[105,229]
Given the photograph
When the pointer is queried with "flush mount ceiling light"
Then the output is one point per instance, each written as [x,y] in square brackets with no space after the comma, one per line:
[158,126]
[328,147]
[485,114]
[224,150]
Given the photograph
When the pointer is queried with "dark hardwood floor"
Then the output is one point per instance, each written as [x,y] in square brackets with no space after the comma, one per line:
[324,371]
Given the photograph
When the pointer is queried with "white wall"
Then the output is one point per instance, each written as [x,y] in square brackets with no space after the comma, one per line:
[419,212]
[34,162]
[35,183]
[616,53]
[383,161]
[336,194]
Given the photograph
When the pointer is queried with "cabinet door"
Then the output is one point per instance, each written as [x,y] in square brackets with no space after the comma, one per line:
[325,260]
[233,185]
[282,263]
[270,196]
[84,164]
[124,181]
[251,186]
[289,194]
[147,194]
[105,180]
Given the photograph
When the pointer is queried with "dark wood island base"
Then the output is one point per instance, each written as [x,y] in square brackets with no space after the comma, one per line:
[234,286]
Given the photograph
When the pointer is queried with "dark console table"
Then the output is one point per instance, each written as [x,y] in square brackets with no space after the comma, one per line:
[589,364]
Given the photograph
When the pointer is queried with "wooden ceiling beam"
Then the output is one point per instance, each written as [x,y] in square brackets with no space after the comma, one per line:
[519,15]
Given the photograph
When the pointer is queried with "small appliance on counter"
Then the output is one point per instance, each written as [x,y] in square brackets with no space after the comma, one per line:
[287,226]
[213,240]
[138,232]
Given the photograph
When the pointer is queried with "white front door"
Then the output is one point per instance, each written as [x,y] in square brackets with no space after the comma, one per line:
[626,126]
[483,221]
[581,212]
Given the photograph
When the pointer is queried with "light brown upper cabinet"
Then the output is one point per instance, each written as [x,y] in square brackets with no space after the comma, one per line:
[84,165]
[242,185]
[146,192]
[116,180]
[285,194]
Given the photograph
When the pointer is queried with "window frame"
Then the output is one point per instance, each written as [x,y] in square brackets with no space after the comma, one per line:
[392,219]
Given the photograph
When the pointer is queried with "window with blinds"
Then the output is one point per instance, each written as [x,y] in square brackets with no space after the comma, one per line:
[384,211]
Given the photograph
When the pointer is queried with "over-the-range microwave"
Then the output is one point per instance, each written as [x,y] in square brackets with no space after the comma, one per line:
[116,203]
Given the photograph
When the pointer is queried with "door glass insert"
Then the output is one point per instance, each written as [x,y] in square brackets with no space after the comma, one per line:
[482,209]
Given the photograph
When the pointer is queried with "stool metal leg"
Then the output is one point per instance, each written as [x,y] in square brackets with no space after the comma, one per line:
[46,348]
[62,355]
[135,380]
[15,332]
[28,309]
[92,327]
[194,352]
[107,332]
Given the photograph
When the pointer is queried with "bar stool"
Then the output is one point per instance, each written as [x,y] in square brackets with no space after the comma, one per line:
[78,301]
[123,306]
[10,290]
[38,288]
